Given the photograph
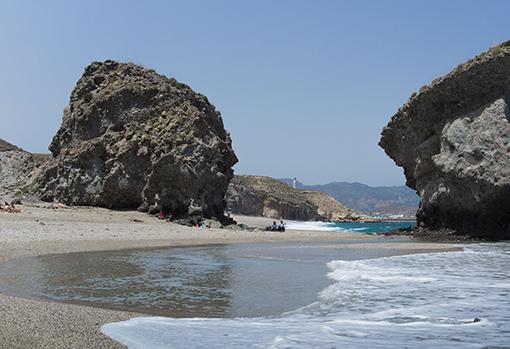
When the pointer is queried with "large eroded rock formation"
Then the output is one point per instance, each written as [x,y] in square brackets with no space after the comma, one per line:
[453,140]
[131,138]
[268,197]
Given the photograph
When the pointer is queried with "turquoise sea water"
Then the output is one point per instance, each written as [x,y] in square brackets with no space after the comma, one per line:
[360,227]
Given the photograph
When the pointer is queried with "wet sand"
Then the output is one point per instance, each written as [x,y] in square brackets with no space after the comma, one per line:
[26,323]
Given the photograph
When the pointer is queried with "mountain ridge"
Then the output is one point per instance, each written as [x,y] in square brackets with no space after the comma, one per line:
[376,200]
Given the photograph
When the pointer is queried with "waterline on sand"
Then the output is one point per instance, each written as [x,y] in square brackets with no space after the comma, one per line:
[422,300]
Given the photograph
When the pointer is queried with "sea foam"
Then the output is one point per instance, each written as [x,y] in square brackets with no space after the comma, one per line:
[355,227]
[417,301]
[322,226]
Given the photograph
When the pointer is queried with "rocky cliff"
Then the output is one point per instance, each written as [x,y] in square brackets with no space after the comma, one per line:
[6,146]
[16,167]
[453,140]
[268,197]
[131,138]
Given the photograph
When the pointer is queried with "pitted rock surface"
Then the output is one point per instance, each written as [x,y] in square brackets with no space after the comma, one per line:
[131,138]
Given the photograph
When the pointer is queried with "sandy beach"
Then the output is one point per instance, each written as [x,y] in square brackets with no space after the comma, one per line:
[28,323]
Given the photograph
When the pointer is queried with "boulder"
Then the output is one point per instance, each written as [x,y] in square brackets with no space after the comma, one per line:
[132,138]
[452,139]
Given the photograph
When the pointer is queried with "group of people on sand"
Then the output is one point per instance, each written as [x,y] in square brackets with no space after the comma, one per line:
[276,227]
[10,208]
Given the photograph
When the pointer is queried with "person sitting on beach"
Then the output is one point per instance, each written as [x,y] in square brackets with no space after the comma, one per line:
[272,227]
[281,226]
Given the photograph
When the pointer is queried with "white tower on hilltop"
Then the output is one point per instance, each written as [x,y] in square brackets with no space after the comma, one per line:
[294,182]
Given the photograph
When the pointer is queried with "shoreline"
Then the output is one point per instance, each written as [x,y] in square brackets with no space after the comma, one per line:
[41,231]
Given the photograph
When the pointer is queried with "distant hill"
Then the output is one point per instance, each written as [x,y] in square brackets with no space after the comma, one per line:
[268,197]
[375,200]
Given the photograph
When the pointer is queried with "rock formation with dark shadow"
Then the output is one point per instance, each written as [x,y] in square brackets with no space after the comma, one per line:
[453,140]
[131,138]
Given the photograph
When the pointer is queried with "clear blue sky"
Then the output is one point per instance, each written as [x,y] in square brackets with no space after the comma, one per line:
[304,87]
